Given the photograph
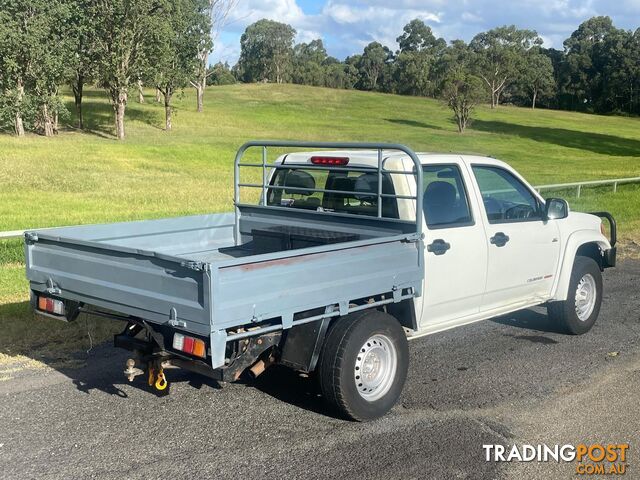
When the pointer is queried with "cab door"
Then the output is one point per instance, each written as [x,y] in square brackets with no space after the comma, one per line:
[523,248]
[455,247]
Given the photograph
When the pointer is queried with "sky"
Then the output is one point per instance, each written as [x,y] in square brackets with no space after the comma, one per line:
[347,26]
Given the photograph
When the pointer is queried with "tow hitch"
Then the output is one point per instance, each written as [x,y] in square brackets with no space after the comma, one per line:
[131,371]
[155,369]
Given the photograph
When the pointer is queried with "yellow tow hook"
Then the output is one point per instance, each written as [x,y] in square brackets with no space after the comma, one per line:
[161,381]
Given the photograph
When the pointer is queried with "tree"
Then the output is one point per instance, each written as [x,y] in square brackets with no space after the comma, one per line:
[633,62]
[340,75]
[418,52]
[457,55]
[123,29]
[462,91]
[537,77]
[217,13]
[33,55]
[266,50]
[372,63]
[499,56]
[308,63]
[84,55]
[220,74]
[418,37]
[602,62]
[413,73]
[174,48]
[601,65]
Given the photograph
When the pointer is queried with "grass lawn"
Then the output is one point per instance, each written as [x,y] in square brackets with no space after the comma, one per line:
[88,177]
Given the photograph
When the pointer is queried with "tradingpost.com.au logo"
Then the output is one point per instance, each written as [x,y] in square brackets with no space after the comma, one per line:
[593,459]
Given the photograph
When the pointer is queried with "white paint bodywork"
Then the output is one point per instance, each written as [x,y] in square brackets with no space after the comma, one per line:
[475,280]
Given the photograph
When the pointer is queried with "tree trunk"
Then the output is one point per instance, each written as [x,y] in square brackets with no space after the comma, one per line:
[47,122]
[167,109]
[200,86]
[19,124]
[533,102]
[119,105]
[140,92]
[158,95]
[78,87]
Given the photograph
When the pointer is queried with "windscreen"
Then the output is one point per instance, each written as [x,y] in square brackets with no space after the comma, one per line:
[352,192]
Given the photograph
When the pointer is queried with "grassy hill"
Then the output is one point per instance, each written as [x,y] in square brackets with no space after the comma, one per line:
[87,177]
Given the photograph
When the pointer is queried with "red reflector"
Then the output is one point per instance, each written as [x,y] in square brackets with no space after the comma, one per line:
[329,160]
[188,345]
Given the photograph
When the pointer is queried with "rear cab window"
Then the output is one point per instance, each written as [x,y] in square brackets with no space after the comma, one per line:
[352,192]
[445,199]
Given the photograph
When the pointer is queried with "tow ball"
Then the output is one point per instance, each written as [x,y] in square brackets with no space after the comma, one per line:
[131,371]
[156,377]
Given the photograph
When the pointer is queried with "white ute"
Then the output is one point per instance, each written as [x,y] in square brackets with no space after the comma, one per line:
[339,257]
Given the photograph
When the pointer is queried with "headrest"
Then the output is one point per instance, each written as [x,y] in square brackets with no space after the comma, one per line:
[440,193]
[299,179]
[342,183]
[366,184]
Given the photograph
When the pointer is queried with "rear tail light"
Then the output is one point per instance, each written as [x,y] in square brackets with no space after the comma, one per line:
[318,160]
[51,305]
[190,345]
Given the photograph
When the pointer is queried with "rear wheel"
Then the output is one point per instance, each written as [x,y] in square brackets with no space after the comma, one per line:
[364,365]
[578,313]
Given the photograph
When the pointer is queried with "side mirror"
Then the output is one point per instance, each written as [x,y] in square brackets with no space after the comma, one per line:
[556,209]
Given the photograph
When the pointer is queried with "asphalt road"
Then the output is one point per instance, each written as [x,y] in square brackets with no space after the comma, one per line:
[508,381]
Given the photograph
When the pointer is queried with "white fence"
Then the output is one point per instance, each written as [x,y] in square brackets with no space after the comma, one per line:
[558,186]
[594,183]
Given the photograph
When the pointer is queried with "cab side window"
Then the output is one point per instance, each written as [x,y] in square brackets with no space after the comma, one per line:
[445,198]
[506,199]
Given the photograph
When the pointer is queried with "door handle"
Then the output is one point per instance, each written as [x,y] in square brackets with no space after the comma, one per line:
[438,247]
[499,239]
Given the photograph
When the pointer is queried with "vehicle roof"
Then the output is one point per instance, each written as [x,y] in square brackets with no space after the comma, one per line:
[369,158]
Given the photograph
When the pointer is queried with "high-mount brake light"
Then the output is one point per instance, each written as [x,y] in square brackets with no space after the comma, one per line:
[51,305]
[319,160]
[190,345]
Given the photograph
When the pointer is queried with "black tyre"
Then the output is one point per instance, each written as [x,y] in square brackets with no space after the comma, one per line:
[577,314]
[363,365]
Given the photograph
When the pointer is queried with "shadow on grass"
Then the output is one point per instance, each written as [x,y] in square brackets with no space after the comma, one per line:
[99,115]
[413,123]
[102,367]
[594,142]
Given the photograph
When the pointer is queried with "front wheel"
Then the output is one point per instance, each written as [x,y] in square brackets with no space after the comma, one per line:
[364,365]
[578,313]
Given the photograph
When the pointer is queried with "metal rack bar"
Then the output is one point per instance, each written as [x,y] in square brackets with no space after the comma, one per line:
[379,147]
